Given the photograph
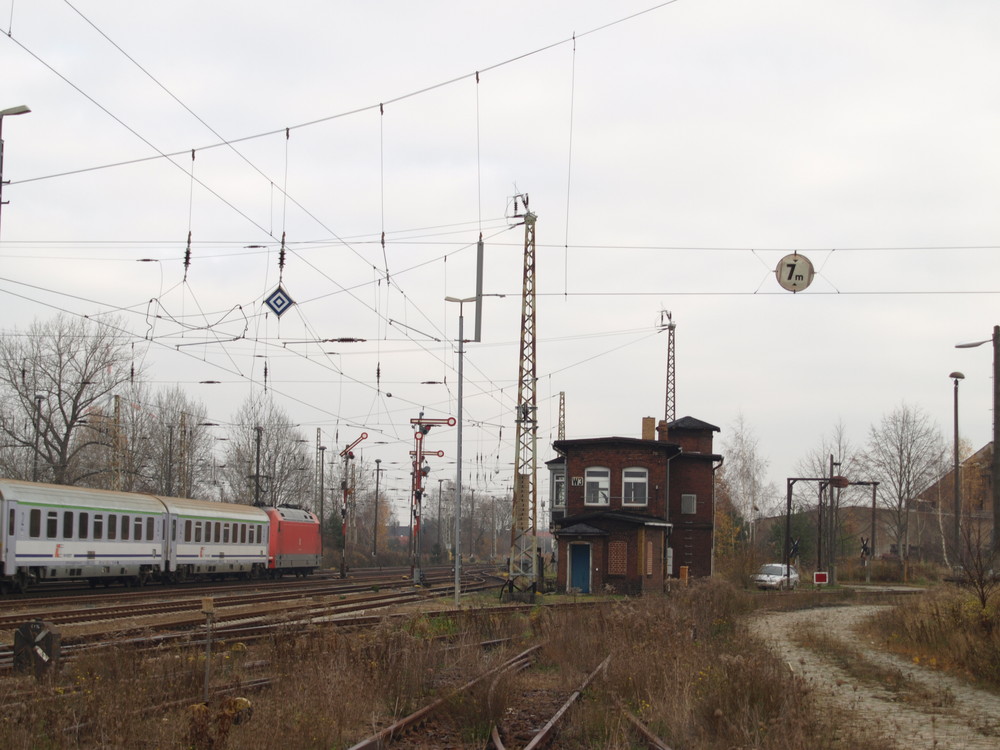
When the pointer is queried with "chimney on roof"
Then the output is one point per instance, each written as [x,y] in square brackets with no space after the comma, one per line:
[649,428]
[661,430]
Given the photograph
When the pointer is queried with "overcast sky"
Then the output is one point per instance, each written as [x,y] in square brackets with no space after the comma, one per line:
[673,155]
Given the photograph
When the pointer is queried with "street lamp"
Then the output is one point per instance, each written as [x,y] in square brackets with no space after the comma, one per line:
[956,376]
[9,112]
[378,471]
[995,469]
[458,453]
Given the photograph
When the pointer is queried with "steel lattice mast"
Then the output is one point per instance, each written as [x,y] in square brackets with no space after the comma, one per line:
[522,553]
[670,412]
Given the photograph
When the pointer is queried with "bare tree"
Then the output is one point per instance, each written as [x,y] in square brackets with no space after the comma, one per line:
[53,376]
[266,457]
[904,452]
[746,472]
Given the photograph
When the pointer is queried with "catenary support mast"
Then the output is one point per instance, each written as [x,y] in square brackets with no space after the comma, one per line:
[523,562]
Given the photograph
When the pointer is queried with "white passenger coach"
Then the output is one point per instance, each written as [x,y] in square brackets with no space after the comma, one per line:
[56,532]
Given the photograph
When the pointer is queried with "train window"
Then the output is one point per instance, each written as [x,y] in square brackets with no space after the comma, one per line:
[83,525]
[187,531]
[68,524]
[197,532]
[10,523]
[218,532]
[51,524]
[35,523]
[173,531]
[260,532]
[125,527]
[98,526]
[150,528]
[243,533]
[225,533]
[112,526]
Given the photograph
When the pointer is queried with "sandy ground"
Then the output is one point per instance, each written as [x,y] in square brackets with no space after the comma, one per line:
[965,718]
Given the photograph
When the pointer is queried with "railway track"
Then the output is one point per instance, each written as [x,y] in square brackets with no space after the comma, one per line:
[244,616]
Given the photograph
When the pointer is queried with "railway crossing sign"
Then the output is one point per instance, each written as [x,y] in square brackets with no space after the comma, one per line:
[794,272]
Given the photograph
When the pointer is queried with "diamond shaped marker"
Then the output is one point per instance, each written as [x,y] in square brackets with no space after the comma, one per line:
[279,301]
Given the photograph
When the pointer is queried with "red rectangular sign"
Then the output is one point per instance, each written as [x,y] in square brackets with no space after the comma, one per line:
[820,578]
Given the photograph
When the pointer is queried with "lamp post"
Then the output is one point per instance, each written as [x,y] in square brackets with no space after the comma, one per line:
[458,452]
[378,471]
[995,468]
[38,429]
[9,112]
[957,548]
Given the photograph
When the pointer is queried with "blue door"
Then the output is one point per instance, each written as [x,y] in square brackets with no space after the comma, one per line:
[579,565]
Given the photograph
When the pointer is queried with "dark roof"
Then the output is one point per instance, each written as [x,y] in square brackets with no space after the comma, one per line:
[582,529]
[690,423]
[608,515]
[556,461]
[658,445]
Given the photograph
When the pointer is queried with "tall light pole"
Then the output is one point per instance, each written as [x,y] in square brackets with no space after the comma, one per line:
[995,469]
[322,494]
[956,376]
[38,429]
[378,471]
[458,452]
[9,112]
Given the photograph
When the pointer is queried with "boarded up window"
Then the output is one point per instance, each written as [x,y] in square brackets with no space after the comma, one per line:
[649,558]
[618,553]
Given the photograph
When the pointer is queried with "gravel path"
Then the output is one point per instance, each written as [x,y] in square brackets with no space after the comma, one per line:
[965,718]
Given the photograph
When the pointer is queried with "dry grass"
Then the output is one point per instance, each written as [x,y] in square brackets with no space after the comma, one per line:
[684,663]
[947,628]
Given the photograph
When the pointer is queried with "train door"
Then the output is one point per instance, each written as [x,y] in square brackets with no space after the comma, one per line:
[8,516]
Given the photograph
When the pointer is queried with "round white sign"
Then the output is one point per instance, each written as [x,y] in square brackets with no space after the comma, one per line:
[794,272]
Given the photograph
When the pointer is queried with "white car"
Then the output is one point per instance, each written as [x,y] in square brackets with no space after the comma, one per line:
[776,576]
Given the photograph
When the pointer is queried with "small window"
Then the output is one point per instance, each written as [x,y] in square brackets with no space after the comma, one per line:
[10,523]
[112,526]
[68,524]
[635,483]
[243,533]
[83,525]
[187,531]
[689,504]
[98,526]
[597,486]
[260,530]
[558,490]
[52,524]
[218,532]
[35,523]
[126,527]
[225,533]
[150,528]
[197,532]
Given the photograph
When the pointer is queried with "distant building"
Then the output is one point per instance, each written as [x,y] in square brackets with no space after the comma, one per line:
[627,513]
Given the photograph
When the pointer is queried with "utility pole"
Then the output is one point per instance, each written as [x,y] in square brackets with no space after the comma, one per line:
[440,486]
[322,514]
[670,412]
[523,562]
[378,470]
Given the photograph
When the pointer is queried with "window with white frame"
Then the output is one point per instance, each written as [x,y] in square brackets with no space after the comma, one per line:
[635,483]
[689,504]
[558,490]
[597,485]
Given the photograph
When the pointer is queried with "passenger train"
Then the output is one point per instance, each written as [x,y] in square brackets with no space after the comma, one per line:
[52,532]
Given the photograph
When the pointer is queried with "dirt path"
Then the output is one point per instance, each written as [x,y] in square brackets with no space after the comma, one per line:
[933,710]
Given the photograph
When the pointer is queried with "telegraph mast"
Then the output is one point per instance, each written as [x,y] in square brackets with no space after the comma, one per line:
[667,322]
[523,562]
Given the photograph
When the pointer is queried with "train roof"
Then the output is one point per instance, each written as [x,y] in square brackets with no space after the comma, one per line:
[77,498]
[214,511]
[289,513]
